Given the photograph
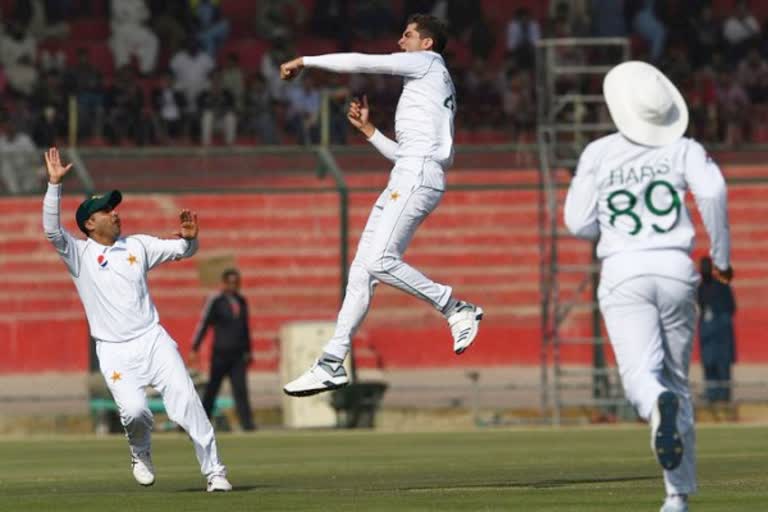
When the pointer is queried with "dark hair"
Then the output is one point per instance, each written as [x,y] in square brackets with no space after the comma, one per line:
[430,26]
[230,272]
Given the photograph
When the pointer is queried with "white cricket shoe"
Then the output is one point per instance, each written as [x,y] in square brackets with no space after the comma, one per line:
[143,470]
[666,442]
[464,322]
[326,374]
[676,503]
[218,483]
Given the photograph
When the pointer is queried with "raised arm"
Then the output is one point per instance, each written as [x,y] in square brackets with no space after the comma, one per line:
[65,243]
[581,201]
[709,190]
[408,64]
[160,250]
[358,116]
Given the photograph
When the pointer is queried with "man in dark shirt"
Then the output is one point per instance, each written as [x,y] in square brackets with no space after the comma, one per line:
[718,350]
[227,312]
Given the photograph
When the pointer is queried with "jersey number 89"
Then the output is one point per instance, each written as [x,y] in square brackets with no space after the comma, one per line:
[626,208]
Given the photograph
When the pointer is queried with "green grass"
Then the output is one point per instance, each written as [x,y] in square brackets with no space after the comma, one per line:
[595,469]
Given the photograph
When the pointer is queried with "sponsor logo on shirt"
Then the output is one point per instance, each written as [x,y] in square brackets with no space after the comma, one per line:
[102,261]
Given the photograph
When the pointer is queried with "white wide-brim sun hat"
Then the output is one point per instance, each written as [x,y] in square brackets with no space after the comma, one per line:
[645,105]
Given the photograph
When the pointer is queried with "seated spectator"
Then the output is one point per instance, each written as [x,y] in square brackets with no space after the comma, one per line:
[701,96]
[522,34]
[647,25]
[84,81]
[125,114]
[50,91]
[734,107]
[217,108]
[168,109]
[753,76]
[210,28]
[191,68]
[18,52]
[705,37]
[130,36]
[34,15]
[330,18]
[740,31]
[19,161]
[49,127]
[303,113]
[609,18]
[373,18]
[170,20]
[232,79]
[258,112]
[279,18]
[280,51]
[571,15]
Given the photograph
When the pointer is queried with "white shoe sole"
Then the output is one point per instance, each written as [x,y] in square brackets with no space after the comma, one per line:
[328,385]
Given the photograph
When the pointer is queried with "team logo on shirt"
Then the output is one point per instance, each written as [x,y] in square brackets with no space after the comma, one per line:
[394,195]
[132,259]
[102,261]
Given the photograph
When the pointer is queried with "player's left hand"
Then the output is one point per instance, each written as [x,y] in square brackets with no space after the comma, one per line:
[291,69]
[189,227]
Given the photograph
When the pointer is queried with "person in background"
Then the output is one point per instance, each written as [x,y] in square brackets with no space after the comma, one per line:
[718,348]
[227,312]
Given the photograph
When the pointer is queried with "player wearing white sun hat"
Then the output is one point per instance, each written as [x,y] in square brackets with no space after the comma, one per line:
[628,193]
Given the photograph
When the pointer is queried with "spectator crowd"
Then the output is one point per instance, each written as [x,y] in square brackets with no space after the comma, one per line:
[177,78]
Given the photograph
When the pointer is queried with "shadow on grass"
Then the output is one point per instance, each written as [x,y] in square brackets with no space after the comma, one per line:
[235,488]
[542,484]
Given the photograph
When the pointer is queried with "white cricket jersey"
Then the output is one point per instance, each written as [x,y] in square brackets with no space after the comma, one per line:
[112,280]
[425,111]
[631,197]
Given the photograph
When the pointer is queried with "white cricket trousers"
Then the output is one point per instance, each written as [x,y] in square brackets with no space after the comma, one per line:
[154,360]
[650,321]
[393,221]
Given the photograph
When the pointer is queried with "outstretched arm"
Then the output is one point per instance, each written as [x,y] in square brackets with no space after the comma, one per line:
[358,116]
[409,64]
[159,251]
[65,243]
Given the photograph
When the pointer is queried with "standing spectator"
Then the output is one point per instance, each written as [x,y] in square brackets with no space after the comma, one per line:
[258,113]
[48,127]
[210,28]
[168,109]
[279,18]
[227,312]
[740,30]
[191,69]
[131,37]
[718,349]
[303,114]
[18,160]
[217,108]
[522,33]
[232,79]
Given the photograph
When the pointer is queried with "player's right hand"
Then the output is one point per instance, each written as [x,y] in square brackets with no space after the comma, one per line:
[56,170]
[291,69]
[724,276]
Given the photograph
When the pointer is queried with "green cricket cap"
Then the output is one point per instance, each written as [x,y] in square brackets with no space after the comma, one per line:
[94,204]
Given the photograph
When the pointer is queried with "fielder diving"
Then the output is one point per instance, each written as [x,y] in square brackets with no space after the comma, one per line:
[421,154]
